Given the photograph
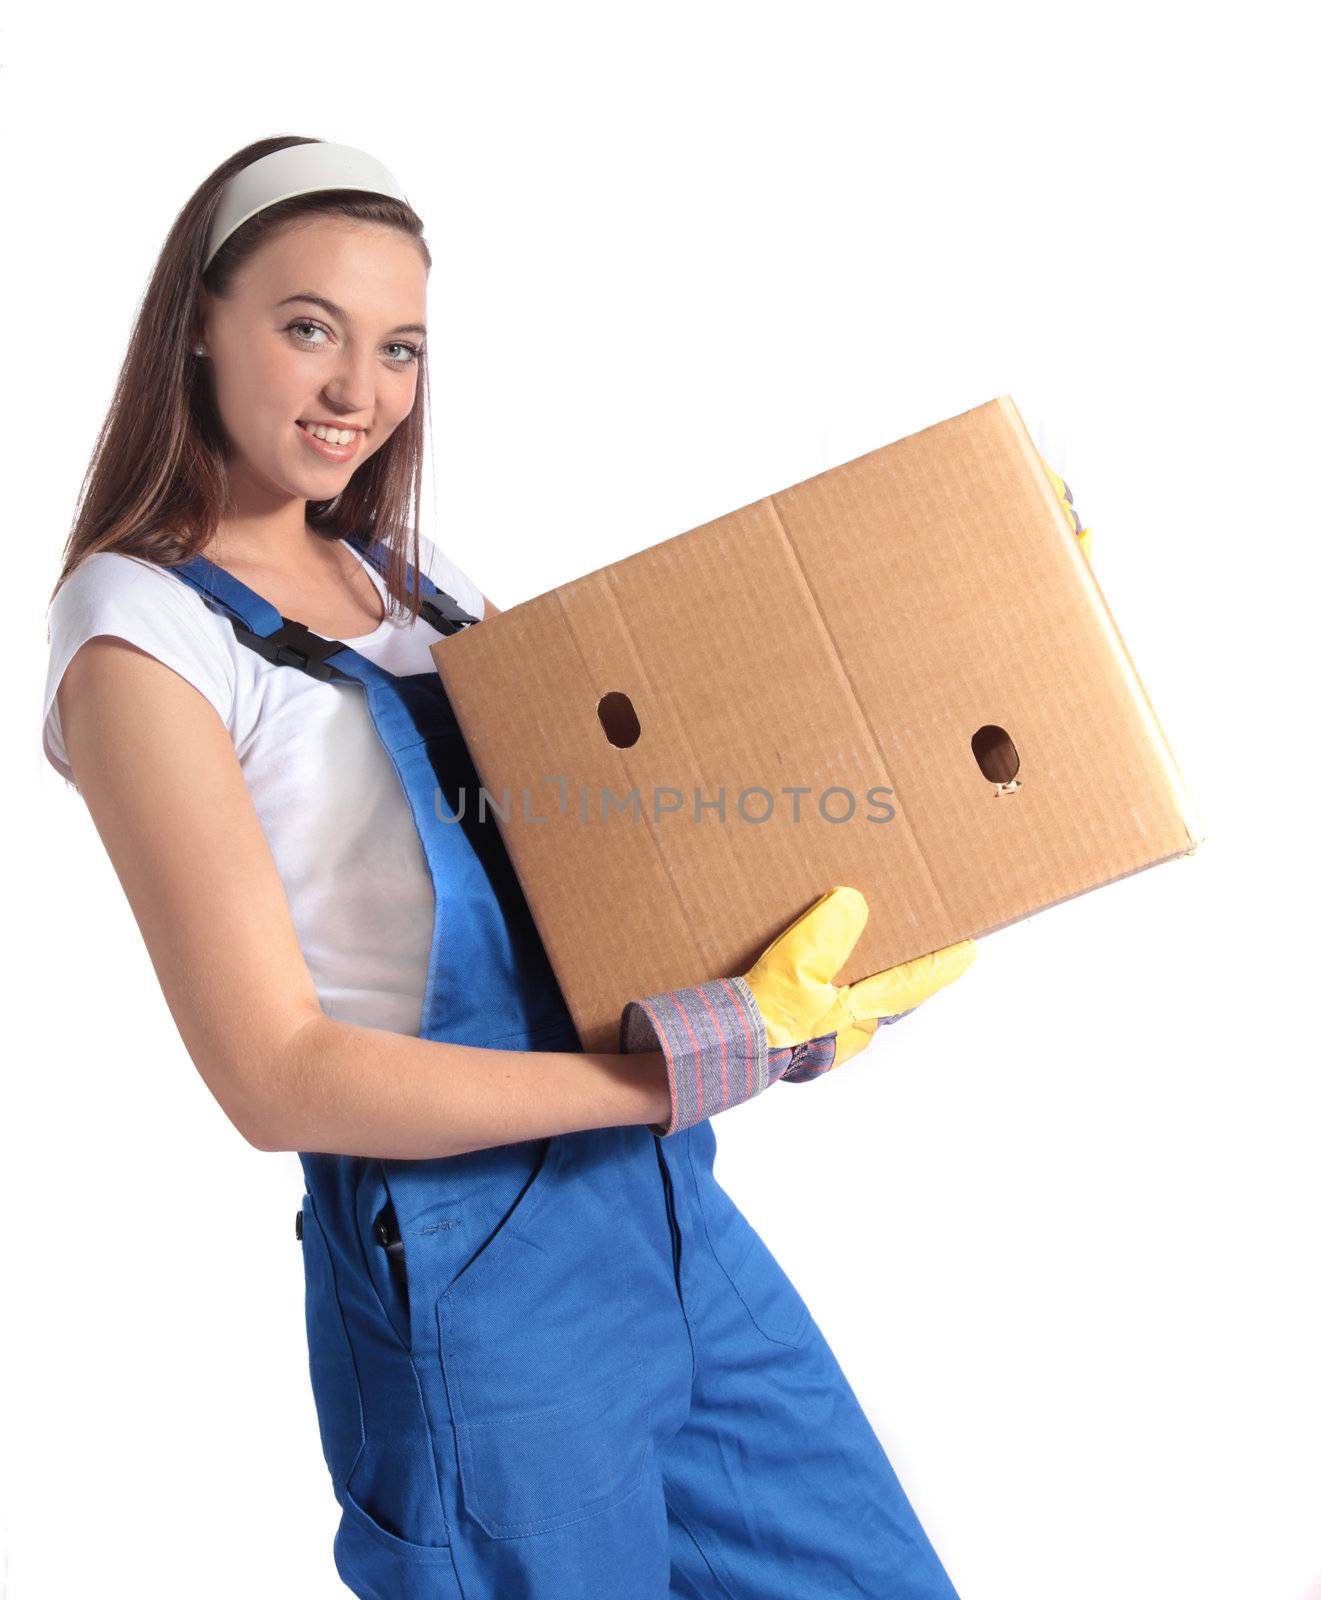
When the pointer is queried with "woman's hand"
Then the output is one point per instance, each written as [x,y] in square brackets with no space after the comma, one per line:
[1066,500]
[791,983]
[730,1039]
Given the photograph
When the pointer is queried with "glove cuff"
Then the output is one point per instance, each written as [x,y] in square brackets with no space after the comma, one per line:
[713,1038]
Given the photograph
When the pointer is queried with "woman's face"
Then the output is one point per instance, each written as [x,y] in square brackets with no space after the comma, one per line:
[282,358]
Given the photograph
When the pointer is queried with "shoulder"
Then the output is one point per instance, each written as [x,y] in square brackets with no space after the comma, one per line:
[145,603]
[108,583]
[139,601]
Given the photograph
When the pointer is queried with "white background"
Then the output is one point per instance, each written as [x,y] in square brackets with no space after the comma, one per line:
[1061,1225]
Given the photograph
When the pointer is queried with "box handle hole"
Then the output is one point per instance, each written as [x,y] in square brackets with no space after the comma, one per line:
[619,719]
[997,757]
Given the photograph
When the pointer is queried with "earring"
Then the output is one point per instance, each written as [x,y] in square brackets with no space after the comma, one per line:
[199,350]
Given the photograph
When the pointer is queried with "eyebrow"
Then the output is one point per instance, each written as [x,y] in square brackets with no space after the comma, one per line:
[338,311]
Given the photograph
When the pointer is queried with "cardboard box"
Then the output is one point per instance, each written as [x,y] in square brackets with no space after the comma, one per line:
[913,641]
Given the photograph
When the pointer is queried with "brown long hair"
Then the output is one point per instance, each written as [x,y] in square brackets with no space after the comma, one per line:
[156,483]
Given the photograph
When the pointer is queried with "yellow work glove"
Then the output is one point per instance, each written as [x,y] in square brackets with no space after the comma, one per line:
[791,983]
[730,1039]
[1066,500]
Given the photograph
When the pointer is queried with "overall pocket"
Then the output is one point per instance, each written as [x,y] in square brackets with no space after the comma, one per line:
[538,1348]
[375,1563]
[334,1376]
[774,1305]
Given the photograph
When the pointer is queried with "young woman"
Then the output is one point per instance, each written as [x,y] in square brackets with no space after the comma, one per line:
[549,1355]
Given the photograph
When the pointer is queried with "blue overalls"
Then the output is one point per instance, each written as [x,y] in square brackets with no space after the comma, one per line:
[568,1368]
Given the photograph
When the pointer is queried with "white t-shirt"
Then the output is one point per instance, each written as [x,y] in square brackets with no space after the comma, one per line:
[326,792]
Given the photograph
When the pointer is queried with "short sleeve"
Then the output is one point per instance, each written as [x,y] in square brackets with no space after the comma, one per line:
[446,575]
[138,601]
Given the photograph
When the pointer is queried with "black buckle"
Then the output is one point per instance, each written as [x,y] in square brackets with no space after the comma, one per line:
[444,613]
[294,645]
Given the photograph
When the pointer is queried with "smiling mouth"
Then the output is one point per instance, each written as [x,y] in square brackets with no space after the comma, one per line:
[331,449]
[341,435]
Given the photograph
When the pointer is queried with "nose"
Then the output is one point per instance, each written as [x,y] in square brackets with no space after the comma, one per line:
[351,388]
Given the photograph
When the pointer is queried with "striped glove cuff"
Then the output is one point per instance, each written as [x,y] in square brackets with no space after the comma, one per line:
[713,1038]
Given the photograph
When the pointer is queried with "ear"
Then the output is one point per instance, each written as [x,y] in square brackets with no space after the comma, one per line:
[201,318]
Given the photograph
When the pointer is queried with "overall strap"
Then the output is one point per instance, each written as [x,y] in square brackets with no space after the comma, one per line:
[287,643]
[259,625]
[441,610]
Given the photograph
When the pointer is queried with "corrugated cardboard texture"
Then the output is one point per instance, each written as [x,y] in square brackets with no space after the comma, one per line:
[852,634]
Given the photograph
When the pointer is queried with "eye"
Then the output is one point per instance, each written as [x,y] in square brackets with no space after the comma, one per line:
[315,327]
[411,359]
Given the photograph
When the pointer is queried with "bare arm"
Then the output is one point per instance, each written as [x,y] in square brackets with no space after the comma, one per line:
[159,774]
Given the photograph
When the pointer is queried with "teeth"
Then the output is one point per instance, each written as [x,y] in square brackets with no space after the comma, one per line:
[330,435]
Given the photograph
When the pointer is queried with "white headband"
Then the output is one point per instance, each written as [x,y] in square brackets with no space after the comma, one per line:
[296,169]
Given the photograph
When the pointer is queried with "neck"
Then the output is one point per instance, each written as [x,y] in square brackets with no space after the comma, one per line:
[280,544]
